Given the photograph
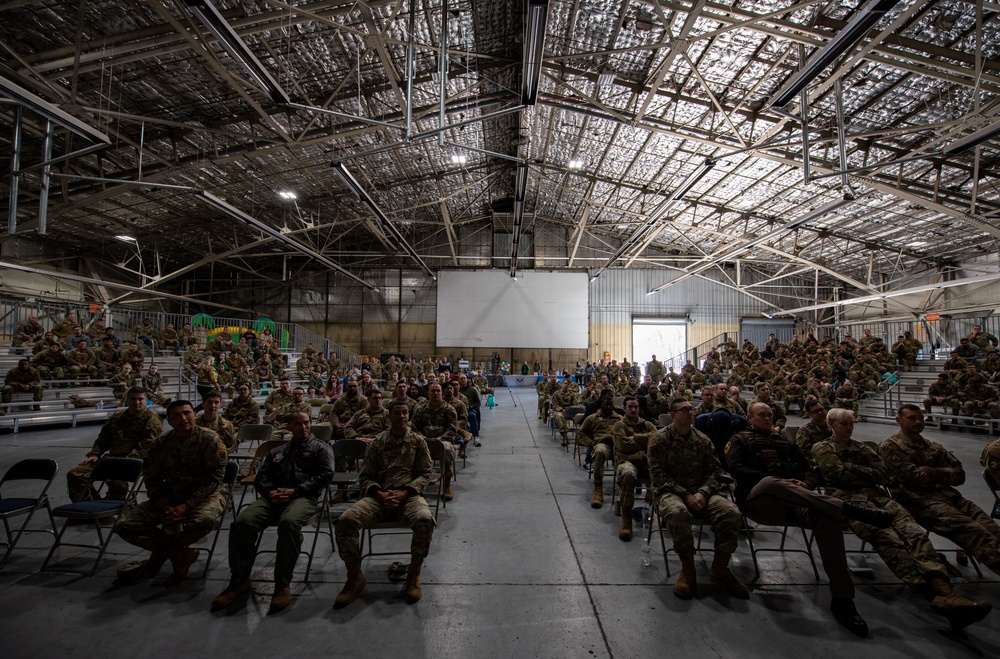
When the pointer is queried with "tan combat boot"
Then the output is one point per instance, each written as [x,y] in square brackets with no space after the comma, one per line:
[684,587]
[448,494]
[412,591]
[355,584]
[722,576]
[625,532]
[961,612]
[598,499]
[565,439]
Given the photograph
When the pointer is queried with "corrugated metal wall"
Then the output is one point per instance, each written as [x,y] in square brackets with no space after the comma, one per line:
[619,295]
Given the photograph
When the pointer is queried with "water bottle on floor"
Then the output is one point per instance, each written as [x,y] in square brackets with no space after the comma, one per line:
[646,556]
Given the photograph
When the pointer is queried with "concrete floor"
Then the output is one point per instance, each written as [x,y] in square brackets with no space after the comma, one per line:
[521,566]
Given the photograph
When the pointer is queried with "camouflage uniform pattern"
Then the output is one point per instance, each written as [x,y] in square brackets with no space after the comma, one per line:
[933,500]
[223,428]
[16,377]
[680,466]
[176,472]
[345,408]
[560,401]
[941,389]
[990,459]
[808,435]
[241,413]
[856,473]
[439,423]
[366,423]
[390,463]
[631,457]
[596,432]
[124,435]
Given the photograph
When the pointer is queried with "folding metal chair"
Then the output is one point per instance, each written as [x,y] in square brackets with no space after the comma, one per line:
[128,470]
[10,507]
[995,491]
[253,433]
[247,478]
[315,521]
[232,468]
[323,433]
[400,527]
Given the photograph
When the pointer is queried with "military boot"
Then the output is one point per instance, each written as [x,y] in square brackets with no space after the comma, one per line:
[355,584]
[448,494]
[722,576]
[684,587]
[565,439]
[598,499]
[959,611]
[411,592]
[625,532]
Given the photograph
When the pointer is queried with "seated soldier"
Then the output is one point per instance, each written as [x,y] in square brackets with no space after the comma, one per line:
[22,378]
[83,362]
[815,431]
[152,381]
[846,397]
[210,420]
[595,433]
[108,357]
[170,339]
[51,363]
[561,401]
[243,409]
[685,474]
[183,472]
[853,472]
[942,392]
[397,467]
[979,399]
[289,483]
[346,407]
[708,403]
[775,485]
[369,423]
[126,434]
[990,459]
[276,399]
[280,416]
[400,394]
[124,380]
[436,419]
[926,475]
[631,435]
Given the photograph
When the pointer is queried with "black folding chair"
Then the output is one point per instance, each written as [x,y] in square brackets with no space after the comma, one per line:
[10,507]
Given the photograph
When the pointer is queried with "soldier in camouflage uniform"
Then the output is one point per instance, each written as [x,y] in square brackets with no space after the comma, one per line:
[183,472]
[276,399]
[126,434]
[630,435]
[279,418]
[400,390]
[685,474]
[170,339]
[243,409]
[436,419]
[210,420]
[132,354]
[152,381]
[452,396]
[370,422]
[815,431]
[22,378]
[542,389]
[396,469]
[941,392]
[64,328]
[27,329]
[853,472]
[52,363]
[289,483]
[124,380]
[927,474]
[708,403]
[192,359]
[979,399]
[108,357]
[983,340]
[990,459]
[595,434]
[846,397]
[346,407]
[561,400]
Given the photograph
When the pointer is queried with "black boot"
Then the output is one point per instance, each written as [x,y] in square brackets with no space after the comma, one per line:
[844,612]
[876,517]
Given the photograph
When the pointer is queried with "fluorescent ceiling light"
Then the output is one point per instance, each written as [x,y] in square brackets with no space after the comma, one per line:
[843,41]
[210,17]
[36,104]
[126,239]
[287,195]
[575,164]
[459,158]
[534,50]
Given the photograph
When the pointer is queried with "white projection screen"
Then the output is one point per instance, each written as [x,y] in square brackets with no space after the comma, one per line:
[537,310]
